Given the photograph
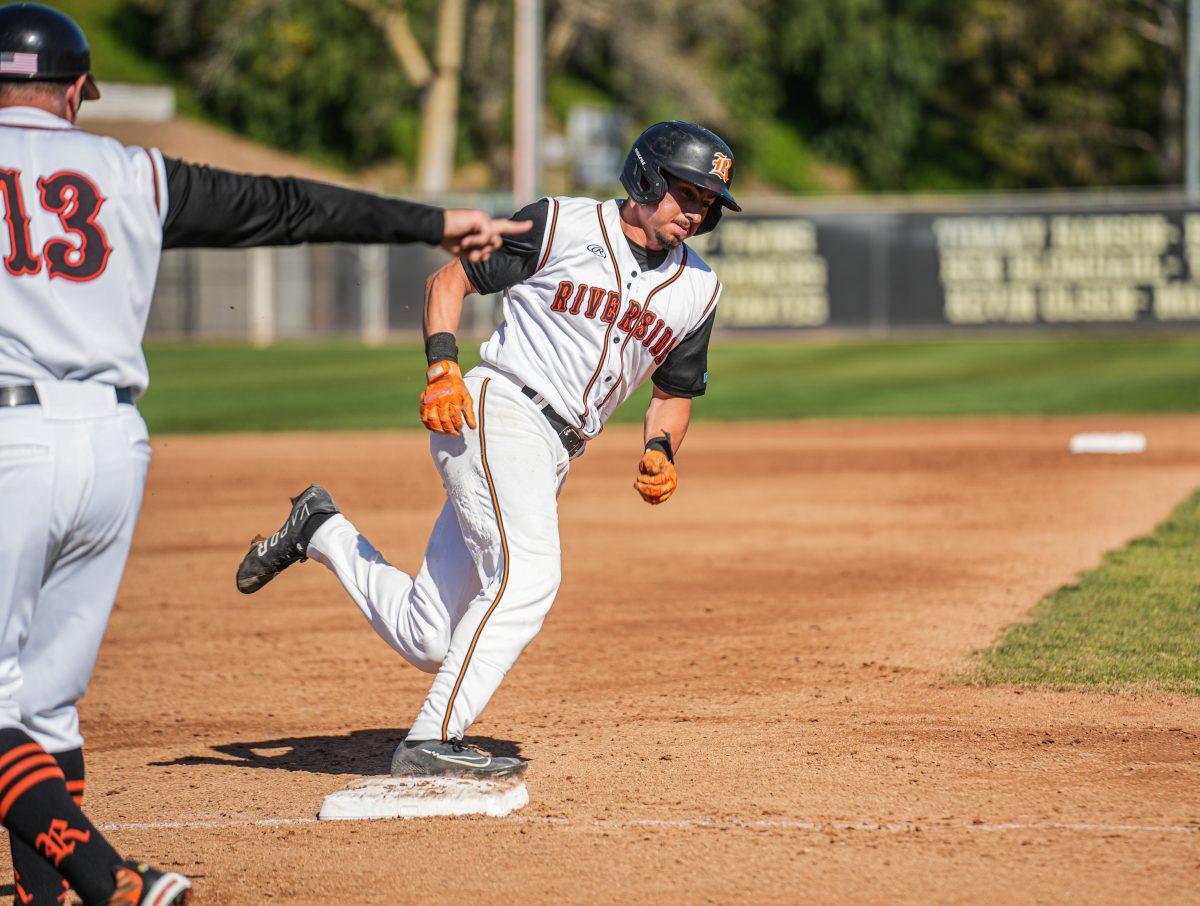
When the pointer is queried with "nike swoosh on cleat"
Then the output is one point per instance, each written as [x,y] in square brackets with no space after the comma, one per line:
[470,761]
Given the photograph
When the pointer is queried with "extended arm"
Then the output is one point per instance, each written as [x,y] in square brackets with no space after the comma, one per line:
[212,208]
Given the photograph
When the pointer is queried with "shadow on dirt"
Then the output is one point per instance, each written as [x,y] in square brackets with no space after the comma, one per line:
[359,752]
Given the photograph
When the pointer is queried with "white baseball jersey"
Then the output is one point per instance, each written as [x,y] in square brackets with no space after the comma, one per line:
[80,249]
[589,326]
[84,218]
[584,326]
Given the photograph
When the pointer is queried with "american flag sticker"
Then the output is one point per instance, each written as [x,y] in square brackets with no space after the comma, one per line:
[18,64]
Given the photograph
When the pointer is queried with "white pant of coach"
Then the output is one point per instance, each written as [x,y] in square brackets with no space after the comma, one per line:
[492,566]
[72,472]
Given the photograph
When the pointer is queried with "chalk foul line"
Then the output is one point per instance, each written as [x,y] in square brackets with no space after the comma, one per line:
[708,823]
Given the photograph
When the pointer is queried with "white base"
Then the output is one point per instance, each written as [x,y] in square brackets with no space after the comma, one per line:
[421,797]
[1120,442]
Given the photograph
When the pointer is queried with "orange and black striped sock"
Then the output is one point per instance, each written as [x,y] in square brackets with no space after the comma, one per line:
[36,806]
[37,882]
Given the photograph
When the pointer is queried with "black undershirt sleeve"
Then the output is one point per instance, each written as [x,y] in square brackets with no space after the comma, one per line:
[684,372]
[211,208]
[517,259]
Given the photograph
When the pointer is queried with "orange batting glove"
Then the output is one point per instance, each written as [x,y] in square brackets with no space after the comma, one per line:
[446,400]
[656,472]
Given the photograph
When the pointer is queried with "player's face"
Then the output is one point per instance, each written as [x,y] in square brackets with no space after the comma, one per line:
[680,213]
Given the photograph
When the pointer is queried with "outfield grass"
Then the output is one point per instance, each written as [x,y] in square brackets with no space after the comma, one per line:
[1131,623]
[336,386]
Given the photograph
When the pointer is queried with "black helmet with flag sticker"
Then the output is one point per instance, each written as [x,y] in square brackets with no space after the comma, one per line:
[685,151]
[40,44]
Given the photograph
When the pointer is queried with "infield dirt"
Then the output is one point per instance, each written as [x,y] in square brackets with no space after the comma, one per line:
[739,694]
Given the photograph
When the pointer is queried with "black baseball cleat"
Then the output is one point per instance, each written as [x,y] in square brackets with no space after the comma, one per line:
[268,557]
[138,883]
[432,758]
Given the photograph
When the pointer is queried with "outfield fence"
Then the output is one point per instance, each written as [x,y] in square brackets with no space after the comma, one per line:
[301,292]
[1036,261]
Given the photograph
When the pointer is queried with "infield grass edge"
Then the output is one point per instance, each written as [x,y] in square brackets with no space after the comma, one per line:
[1130,624]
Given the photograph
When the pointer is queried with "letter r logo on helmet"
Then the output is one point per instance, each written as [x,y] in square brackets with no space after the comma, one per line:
[721,165]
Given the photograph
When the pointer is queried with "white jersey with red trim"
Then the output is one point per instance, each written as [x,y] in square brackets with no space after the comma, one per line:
[83,217]
[589,327]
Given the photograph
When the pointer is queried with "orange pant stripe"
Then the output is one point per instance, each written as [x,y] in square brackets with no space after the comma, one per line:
[487,473]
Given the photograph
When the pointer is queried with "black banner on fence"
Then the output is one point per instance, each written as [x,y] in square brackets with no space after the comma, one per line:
[972,267]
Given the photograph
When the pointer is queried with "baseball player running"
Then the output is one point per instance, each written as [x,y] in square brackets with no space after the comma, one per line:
[598,296]
[87,219]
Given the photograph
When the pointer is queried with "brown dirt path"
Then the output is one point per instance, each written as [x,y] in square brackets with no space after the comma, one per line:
[206,143]
[738,694]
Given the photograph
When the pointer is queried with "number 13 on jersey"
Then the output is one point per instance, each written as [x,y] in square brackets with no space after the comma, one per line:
[76,201]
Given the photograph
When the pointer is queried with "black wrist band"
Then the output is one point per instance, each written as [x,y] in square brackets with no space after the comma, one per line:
[662,443]
[441,347]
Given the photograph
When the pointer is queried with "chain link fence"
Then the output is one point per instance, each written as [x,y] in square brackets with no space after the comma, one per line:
[301,292]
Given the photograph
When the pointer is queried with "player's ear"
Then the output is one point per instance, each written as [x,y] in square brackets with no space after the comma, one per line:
[74,96]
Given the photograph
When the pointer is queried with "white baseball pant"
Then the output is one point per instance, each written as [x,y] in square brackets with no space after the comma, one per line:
[492,566]
[72,471]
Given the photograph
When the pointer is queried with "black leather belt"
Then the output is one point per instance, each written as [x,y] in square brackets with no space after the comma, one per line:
[27,395]
[568,434]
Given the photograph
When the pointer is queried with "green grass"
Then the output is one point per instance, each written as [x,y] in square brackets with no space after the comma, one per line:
[113,59]
[334,386]
[782,157]
[1131,623]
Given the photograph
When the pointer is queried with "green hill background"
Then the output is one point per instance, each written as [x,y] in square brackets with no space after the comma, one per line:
[816,95]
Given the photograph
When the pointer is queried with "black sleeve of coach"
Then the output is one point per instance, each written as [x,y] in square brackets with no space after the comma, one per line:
[210,208]
[684,372]
[517,259]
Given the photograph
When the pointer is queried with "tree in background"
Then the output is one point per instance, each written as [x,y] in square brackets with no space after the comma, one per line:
[903,94]
[917,94]
[436,78]
[353,82]
[704,60]
[1058,93]
[1161,24]
[853,77]
[306,75]
[487,102]
[663,56]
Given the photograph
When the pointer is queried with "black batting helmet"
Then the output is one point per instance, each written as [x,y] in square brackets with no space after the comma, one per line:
[685,151]
[40,44]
